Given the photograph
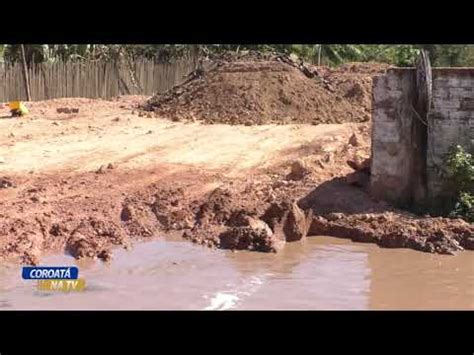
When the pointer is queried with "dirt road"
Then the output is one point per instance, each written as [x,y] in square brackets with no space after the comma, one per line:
[103,177]
[53,161]
[106,133]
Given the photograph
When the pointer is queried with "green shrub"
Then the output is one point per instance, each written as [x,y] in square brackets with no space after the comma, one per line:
[460,166]
[464,207]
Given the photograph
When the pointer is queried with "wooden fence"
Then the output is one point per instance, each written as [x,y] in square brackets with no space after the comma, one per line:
[99,79]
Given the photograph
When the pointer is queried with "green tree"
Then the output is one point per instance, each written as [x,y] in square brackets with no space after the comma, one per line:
[327,54]
[450,55]
[461,172]
[400,55]
[34,53]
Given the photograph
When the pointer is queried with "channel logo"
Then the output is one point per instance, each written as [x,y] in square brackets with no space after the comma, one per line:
[55,278]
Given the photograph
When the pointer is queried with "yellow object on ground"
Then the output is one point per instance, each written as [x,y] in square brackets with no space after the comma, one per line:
[14,105]
[17,108]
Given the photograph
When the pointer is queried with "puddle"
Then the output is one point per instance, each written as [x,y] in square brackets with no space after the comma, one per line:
[321,273]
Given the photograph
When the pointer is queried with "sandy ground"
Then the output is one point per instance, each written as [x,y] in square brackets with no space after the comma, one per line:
[51,142]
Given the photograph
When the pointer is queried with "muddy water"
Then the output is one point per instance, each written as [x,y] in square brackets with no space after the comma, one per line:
[321,273]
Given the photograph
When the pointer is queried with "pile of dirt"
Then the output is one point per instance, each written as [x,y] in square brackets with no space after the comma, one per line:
[236,220]
[93,237]
[223,218]
[275,89]
[260,225]
[395,230]
[158,208]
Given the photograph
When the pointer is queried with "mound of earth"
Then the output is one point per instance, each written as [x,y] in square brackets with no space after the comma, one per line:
[271,90]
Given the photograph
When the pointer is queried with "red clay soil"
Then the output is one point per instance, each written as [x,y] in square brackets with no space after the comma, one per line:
[271,90]
[88,214]
[314,189]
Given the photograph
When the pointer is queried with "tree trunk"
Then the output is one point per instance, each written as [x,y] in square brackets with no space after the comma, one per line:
[25,74]
[195,55]
[319,54]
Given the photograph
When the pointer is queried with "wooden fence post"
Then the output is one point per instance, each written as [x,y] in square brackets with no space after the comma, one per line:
[25,74]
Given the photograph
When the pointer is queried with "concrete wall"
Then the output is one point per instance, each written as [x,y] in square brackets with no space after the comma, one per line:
[392,140]
[407,155]
[451,121]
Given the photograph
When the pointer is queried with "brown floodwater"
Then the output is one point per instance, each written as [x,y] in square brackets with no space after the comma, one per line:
[319,274]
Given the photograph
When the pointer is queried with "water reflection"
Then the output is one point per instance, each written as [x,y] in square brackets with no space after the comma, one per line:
[321,273]
[406,279]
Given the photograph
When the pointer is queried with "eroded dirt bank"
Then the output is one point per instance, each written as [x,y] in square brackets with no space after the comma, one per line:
[104,177]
